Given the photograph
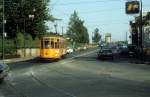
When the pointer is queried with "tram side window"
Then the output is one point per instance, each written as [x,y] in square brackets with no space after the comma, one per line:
[42,46]
[52,44]
[56,44]
[47,44]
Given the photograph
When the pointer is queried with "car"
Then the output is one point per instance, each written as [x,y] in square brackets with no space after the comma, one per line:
[4,69]
[84,47]
[79,49]
[69,50]
[105,54]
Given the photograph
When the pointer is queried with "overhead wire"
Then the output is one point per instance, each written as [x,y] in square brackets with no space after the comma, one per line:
[89,2]
[87,12]
[85,2]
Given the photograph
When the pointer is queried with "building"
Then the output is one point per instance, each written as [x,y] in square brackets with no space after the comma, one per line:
[108,38]
[135,32]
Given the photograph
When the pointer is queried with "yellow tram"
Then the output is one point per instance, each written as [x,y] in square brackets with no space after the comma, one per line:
[53,47]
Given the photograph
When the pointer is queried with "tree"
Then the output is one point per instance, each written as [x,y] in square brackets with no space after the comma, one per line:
[97,37]
[17,14]
[1,16]
[135,35]
[76,29]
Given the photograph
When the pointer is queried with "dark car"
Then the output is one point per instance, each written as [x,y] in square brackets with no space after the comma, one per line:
[4,69]
[105,54]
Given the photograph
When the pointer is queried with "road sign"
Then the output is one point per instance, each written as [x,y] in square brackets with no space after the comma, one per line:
[132,7]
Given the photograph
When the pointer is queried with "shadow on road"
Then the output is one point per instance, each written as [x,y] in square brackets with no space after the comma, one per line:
[30,63]
[84,58]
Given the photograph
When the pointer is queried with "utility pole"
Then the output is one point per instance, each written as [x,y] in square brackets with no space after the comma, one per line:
[55,28]
[62,30]
[126,37]
[55,25]
[24,24]
[3,31]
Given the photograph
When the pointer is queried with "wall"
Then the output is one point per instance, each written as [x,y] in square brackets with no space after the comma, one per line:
[29,52]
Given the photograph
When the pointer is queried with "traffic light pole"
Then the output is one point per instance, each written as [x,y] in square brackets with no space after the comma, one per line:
[141,33]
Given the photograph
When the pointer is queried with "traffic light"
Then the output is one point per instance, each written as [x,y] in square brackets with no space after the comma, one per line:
[132,7]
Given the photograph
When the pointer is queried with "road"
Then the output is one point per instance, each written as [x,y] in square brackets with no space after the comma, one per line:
[79,75]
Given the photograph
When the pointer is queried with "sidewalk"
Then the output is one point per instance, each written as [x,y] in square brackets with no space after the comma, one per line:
[16,60]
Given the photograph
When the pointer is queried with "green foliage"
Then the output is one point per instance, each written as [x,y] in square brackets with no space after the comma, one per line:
[122,42]
[9,46]
[19,40]
[97,37]
[28,41]
[145,19]
[76,29]
[17,14]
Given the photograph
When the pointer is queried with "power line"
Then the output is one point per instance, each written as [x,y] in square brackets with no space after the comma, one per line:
[94,11]
[86,2]
[105,10]
[56,2]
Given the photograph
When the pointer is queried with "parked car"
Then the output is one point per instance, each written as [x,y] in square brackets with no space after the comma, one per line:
[4,69]
[105,53]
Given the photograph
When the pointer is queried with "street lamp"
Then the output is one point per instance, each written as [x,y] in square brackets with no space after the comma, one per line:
[30,16]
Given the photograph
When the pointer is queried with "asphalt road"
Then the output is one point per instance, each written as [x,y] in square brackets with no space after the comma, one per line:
[79,75]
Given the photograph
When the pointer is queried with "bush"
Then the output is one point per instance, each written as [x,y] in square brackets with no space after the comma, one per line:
[19,40]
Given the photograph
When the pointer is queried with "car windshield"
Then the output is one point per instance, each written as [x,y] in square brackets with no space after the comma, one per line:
[75,48]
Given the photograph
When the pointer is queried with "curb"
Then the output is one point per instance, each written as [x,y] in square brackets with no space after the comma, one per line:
[16,60]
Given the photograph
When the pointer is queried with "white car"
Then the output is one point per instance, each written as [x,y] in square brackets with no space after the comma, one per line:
[4,69]
[84,47]
[69,50]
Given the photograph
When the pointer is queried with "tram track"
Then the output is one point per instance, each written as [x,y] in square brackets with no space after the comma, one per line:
[26,76]
[50,86]
[17,90]
[9,90]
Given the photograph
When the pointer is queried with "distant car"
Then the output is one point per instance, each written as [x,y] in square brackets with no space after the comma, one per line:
[69,50]
[4,69]
[79,48]
[84,47]
[105,54]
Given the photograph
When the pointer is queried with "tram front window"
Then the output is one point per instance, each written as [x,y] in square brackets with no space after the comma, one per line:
[47,44]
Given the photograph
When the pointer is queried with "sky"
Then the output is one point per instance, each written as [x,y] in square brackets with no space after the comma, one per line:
[107,15]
